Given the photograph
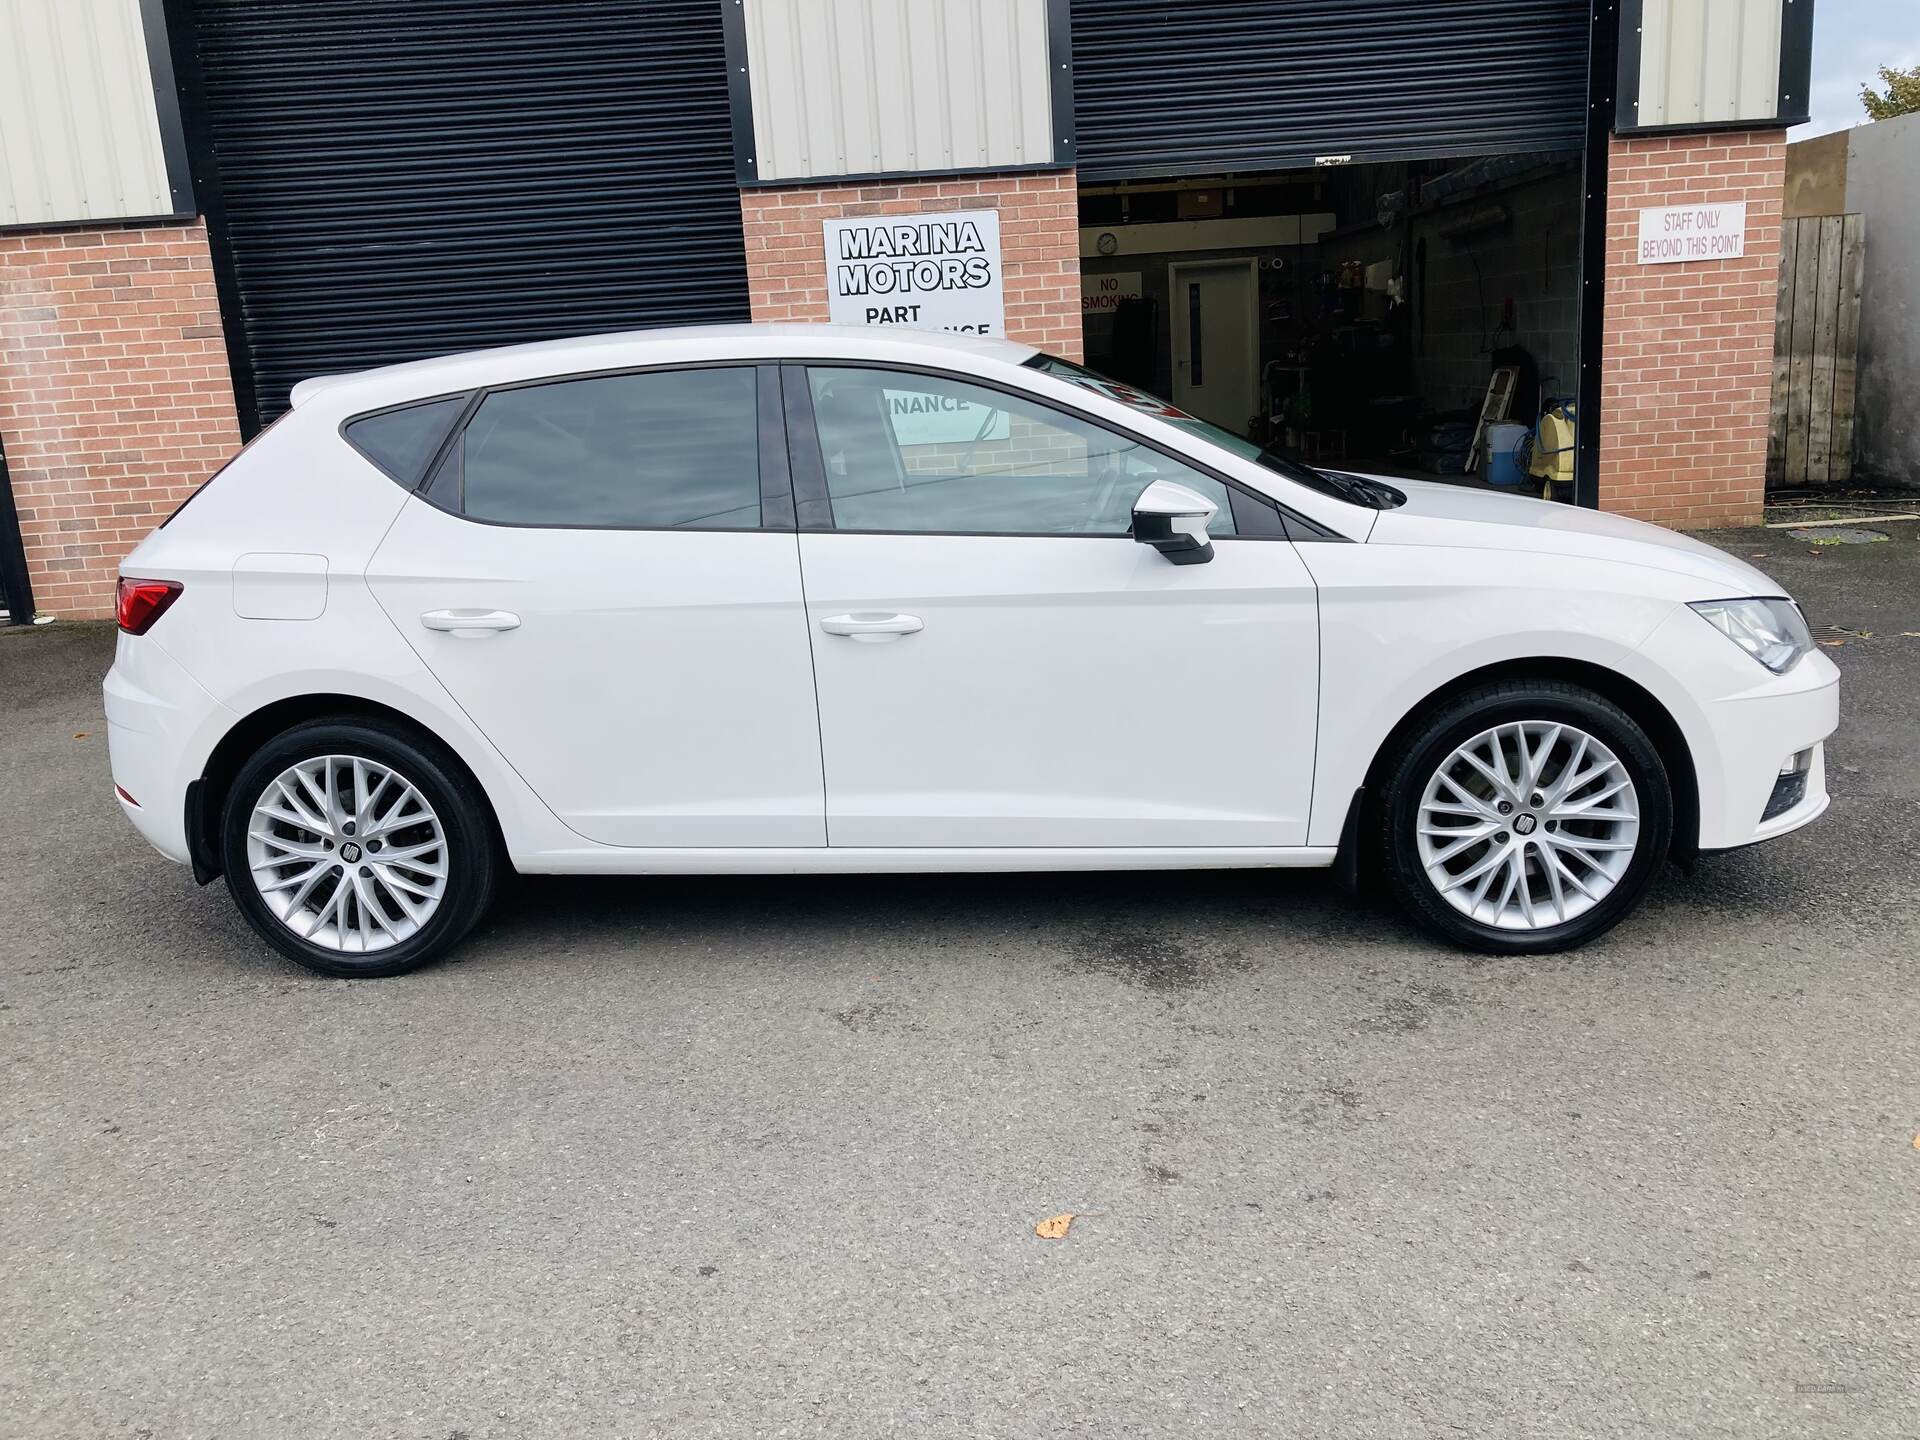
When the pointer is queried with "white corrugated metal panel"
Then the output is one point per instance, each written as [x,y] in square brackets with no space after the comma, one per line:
[1703,61]
[79,129]
[859,87]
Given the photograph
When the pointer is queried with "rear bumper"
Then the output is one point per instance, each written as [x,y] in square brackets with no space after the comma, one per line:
[154,710]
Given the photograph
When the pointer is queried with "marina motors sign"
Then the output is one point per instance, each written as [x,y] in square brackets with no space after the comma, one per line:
[1672,233]
[935,271]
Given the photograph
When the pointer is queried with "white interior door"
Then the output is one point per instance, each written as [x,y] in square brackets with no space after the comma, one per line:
[1215,334]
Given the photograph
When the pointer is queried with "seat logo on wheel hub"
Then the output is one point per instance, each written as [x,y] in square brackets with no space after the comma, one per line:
[350,852]
[1524,824]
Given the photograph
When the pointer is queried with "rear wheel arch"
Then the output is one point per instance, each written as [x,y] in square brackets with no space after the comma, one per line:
[207,796]
[1639,703]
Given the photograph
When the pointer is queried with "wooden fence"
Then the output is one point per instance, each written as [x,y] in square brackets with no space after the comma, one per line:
[1816,332]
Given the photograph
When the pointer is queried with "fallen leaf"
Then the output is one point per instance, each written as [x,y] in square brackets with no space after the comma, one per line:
[79,734]
[1055,1227]
[1911,634]
[1834,643]
[1916,1142]
[1816,552]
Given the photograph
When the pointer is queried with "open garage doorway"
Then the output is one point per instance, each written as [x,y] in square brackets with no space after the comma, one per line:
[1417,319]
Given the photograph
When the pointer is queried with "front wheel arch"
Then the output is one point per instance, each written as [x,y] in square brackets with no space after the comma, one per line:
[206,798]
[1359,860]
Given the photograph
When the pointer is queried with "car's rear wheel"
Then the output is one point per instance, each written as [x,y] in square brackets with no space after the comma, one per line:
[1526,817]
[357,849]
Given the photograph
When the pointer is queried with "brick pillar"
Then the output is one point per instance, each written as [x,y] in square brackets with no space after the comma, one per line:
[1688,358]
[115,398]
[1039,244]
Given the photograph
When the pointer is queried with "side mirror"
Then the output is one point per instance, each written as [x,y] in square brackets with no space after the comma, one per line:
[1173,519]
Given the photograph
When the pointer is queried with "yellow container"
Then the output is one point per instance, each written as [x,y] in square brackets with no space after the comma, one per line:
[1553,446]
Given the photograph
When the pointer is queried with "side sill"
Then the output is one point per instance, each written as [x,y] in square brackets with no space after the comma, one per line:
[829,860]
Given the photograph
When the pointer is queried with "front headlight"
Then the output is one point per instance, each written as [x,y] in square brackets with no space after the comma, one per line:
[1774,632]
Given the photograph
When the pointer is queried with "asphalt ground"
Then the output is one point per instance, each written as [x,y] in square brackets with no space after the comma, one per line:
[760,1157]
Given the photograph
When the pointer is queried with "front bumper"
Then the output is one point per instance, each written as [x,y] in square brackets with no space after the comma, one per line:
[1809,802]
[1743,724]
[1756,735]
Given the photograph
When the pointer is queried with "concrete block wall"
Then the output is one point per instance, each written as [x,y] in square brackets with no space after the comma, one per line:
[115,397]
[1039,244]
[1532,260]
[1688,360]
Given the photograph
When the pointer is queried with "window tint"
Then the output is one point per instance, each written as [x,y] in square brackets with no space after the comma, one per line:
[920,452]
[402,442]
[668,448]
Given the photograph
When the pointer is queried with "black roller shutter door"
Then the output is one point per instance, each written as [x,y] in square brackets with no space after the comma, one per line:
[1169,88]
[404,178]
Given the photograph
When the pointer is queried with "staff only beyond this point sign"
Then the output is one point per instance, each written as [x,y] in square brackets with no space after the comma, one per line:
[939,270]
[1670,234]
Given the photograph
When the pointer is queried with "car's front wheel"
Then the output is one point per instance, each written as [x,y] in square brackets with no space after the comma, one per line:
[357,849]
[1526,817]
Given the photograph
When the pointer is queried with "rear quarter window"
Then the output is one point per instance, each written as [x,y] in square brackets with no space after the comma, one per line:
[403,441]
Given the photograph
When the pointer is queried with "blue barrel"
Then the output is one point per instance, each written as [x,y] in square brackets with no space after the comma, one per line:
[1503,454]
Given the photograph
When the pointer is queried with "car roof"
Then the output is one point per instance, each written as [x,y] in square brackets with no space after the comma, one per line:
[625,349]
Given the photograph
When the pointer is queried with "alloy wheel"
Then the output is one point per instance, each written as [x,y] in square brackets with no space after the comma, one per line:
[1528,825]
[347,853]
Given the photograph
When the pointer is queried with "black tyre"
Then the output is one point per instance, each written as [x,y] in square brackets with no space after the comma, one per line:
[1525,817]
[356,848]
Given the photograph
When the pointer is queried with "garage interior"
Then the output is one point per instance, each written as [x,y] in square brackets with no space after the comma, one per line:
[1357,316]
[1368,211]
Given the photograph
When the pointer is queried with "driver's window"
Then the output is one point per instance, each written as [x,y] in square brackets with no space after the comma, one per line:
[924,453]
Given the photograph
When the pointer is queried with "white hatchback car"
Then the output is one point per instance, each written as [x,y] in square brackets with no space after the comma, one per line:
[801,598]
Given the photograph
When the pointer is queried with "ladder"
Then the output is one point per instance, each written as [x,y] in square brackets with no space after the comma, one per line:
[1500,387]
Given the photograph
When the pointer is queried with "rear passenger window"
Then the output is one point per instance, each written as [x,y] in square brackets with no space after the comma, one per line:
[664,449]
[403,442]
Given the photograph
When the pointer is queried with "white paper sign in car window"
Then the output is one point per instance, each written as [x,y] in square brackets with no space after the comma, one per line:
[921,417]
[937,270]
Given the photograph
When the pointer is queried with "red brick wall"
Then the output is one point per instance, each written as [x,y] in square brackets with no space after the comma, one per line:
[1689,346]
[1039,244]
[115,398]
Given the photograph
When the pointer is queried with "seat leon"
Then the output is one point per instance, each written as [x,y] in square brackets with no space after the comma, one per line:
[810,599]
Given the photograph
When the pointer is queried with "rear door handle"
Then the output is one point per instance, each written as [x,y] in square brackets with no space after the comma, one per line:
[470,624]
[872,628]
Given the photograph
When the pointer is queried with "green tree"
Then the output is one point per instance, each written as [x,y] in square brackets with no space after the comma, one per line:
[1901,97]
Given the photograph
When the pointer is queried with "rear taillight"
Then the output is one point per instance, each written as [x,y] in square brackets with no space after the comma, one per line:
[141,602]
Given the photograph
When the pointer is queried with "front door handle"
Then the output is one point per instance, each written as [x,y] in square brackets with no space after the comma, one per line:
[872,629]
[470,624]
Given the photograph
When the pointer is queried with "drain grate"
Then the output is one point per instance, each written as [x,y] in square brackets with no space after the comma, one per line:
[1839,535]
[1837,635]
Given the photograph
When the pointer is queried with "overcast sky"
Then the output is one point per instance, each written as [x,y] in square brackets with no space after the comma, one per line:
[1852,39]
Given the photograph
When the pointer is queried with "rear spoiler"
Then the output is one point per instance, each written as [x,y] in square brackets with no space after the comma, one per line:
[307,389]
